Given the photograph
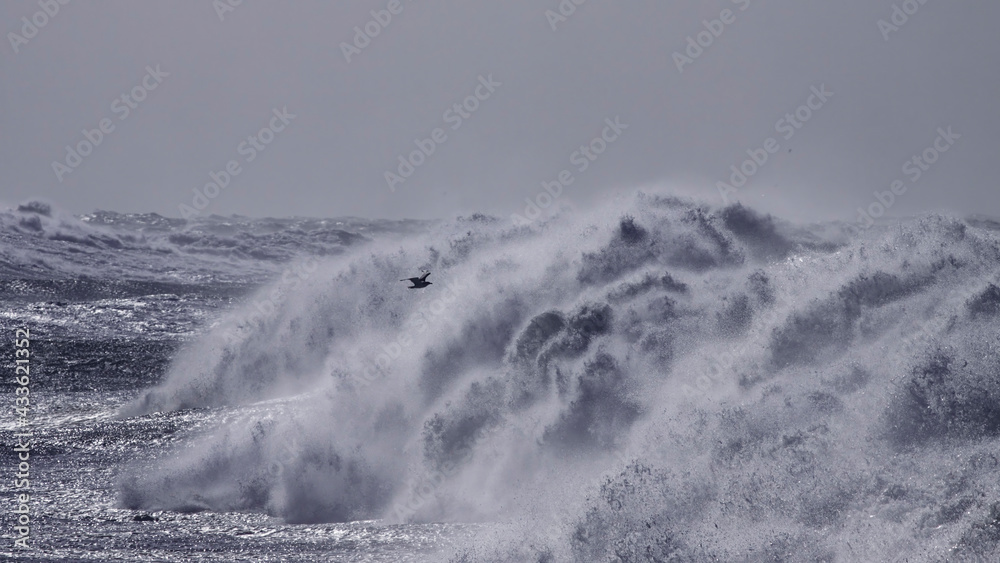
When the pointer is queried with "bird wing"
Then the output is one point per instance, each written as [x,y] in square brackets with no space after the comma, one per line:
[424,277]
[411,280]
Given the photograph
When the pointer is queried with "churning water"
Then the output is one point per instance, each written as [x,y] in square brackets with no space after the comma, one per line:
[656,381]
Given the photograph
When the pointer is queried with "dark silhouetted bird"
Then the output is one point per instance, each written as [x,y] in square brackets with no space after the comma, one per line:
[418,282]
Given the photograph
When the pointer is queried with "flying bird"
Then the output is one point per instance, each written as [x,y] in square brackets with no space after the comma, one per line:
[418,282]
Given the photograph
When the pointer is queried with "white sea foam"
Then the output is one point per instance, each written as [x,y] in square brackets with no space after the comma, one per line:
[654,381]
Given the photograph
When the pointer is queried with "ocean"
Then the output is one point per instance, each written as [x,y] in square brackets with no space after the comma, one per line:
[654,380]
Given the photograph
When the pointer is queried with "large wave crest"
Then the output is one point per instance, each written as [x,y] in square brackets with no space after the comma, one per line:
[656,381]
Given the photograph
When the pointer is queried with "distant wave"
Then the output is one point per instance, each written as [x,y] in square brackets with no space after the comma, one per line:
[40,241]
[656,381]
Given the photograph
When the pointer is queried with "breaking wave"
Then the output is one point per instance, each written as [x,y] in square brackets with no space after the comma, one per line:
[657,381]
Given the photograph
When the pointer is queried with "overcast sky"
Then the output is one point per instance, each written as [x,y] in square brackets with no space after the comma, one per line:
[220,75]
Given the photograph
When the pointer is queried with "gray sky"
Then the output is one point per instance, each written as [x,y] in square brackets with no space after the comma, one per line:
[556,88]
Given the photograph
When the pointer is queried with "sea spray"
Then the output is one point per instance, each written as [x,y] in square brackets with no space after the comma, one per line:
[839,402]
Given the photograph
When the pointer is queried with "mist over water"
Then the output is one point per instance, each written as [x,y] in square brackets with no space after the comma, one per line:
[655,381]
